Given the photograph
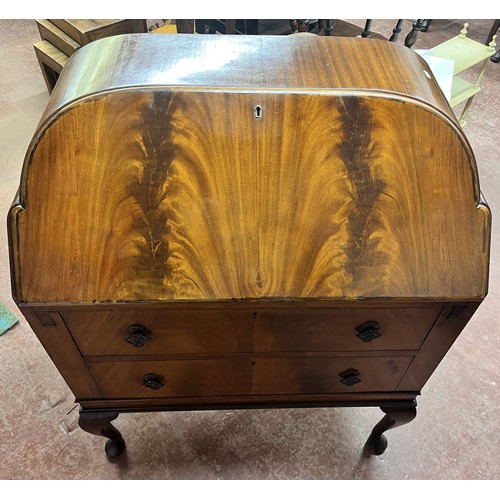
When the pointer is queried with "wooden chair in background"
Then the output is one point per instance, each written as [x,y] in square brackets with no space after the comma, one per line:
[322,27]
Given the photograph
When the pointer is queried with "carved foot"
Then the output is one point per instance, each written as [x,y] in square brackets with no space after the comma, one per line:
[394,417]
[99,423]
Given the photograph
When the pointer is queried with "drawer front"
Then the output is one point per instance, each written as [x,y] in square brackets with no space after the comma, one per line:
[248,376]
[321,375]
[180,378]
[366,329]
[168,332]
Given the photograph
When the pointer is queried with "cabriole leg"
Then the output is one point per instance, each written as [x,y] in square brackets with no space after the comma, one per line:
[394,417]
[99,423]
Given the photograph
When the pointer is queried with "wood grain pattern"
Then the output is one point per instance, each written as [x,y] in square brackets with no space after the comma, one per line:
[252,219]
[171,332]
[64,353]
[57,37]
[195,331]
[50,55]
[168,199]
[435,347]
[253,63]
[300,330]
[247,376]
[87,30]
[222,377]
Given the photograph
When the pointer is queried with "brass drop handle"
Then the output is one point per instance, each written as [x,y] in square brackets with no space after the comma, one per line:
[153,381]
[350,377]
[368,331]
[138,335]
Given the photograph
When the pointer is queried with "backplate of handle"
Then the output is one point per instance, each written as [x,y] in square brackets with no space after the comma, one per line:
[368,331]
[350,377]
[153,381]
[138,336]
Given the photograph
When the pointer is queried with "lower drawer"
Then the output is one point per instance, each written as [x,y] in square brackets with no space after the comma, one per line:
[248,376]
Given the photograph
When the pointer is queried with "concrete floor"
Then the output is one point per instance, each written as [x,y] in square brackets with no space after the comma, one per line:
[456,432]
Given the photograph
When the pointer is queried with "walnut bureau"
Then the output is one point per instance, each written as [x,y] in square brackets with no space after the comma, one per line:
[208,222]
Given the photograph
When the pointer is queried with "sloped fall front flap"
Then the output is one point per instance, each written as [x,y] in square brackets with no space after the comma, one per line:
[217,168]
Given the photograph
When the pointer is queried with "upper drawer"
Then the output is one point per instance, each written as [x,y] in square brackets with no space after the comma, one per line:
[260,330]
[344,329]
[166,331]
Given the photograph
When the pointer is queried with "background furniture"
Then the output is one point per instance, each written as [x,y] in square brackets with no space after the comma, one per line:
[326,27]
[335,27]
[62,37]
[465,53]
[175,271]
[494,28]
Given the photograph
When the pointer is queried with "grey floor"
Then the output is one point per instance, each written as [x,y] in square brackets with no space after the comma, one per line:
[456,432]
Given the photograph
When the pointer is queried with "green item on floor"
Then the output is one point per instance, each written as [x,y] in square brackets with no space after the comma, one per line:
[7,319]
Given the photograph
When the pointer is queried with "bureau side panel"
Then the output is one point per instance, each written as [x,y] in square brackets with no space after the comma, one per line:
[448,327]
[56,340]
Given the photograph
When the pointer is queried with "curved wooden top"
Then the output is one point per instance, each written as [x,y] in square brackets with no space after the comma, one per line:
[291,63]
[207,168]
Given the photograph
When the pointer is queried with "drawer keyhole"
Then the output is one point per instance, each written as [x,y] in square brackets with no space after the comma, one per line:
[152,381]
[138,335]
[368,331]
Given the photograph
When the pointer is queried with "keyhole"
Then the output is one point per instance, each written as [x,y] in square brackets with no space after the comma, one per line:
[258,112]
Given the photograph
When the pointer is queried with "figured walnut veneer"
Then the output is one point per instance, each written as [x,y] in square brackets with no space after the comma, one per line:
[273,220]
[180,193]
